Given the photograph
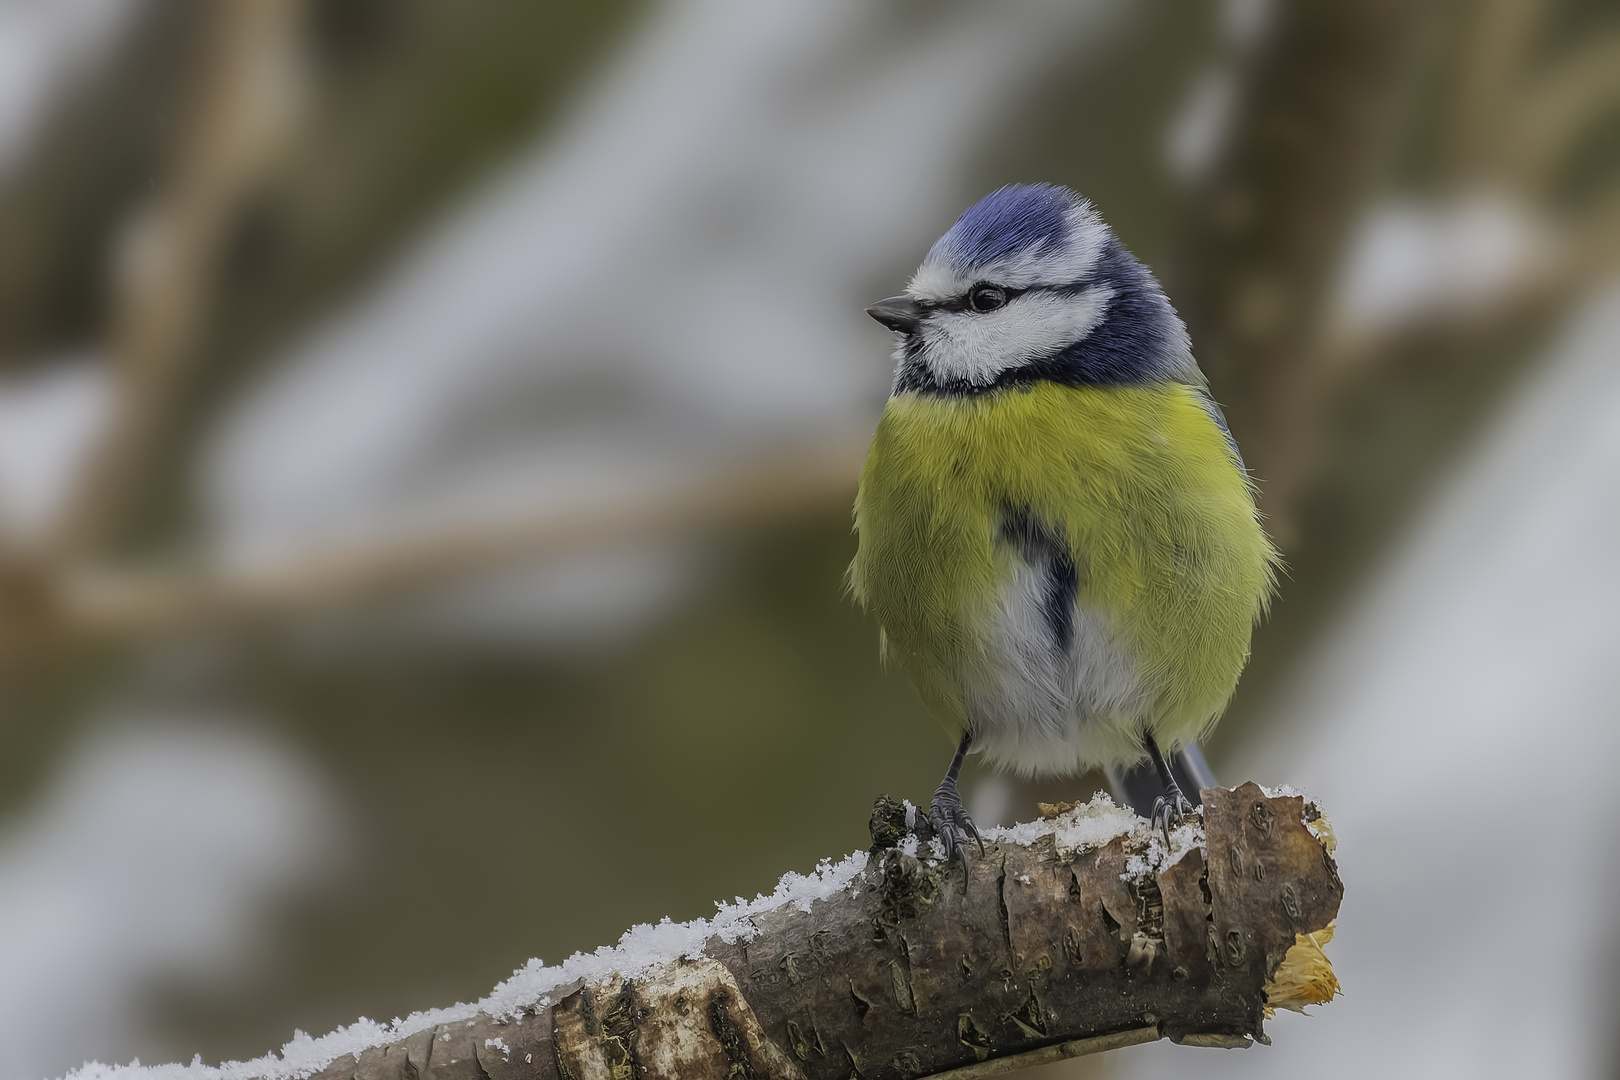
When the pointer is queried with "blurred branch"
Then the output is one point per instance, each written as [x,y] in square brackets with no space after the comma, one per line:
[1324,104]
[67,190]
[108,602]
[247,93]
[1320,109]
[1519,109]
[1493,54]
[1325,96]
[1558,107]
[910,972]
[1518,114]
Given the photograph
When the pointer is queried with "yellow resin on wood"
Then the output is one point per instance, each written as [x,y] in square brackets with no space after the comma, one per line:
[1305,976]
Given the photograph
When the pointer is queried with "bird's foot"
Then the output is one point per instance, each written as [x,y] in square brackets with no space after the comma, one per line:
[1169,809]
[952,825]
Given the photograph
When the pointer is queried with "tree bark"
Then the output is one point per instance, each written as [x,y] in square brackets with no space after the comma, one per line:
[1049,951]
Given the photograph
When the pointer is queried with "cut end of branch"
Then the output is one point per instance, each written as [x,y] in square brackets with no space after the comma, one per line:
[1305,976]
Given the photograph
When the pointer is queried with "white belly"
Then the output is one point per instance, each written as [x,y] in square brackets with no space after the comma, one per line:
[1045,710]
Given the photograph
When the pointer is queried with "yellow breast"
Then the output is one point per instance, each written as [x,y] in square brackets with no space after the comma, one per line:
[1138,482]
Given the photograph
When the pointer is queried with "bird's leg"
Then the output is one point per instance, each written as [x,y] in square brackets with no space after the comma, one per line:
[1172,806]
[949,817]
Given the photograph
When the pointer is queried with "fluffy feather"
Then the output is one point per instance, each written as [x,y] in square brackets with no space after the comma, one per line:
[1172,566]
[1083,311]
[1018,236]
[1056,531]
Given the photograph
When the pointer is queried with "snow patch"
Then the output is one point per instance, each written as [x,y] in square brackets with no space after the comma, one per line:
[49,423]
[1286,791]
[1094,824]
[641,949]
[1089,825]
[1188,836]
[1414,259]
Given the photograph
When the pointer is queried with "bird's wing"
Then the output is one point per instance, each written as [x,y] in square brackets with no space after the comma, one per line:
[1220,421]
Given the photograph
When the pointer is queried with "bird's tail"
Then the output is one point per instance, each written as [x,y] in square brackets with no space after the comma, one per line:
[1138,786]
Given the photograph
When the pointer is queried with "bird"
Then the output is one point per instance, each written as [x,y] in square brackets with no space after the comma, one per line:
[1055,529]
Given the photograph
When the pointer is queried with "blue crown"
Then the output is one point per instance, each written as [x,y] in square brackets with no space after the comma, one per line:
[1015,218]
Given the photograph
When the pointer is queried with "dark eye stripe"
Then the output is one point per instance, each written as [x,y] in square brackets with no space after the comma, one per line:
[960,303]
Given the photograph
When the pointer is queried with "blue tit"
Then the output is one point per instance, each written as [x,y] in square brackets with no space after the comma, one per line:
[1057,534]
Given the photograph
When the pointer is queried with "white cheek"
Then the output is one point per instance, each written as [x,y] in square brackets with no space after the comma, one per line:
[977,348]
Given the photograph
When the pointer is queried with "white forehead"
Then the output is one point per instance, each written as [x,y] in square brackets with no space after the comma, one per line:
[941,278]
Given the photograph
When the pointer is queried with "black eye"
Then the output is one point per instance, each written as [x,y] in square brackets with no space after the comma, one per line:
[987,297]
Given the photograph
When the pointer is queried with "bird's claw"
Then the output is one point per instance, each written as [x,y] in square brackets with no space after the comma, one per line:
[1169,809]
[953,826]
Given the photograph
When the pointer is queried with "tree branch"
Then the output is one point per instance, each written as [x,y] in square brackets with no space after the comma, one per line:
[111,602]
[1072,935]
[1321,107]
[165,288]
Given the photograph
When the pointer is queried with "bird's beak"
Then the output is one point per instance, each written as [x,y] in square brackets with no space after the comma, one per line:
[900,313]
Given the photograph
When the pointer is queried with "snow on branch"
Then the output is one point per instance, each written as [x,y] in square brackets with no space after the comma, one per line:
[1074,934]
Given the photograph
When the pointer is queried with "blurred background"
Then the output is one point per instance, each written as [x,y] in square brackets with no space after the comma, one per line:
[428,432]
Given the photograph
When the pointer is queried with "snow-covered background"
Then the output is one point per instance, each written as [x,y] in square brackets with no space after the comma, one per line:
[155,855]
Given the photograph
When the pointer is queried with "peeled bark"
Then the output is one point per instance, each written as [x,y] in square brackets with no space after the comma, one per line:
[1048,952]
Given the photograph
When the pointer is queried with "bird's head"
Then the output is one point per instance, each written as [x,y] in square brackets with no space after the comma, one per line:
[1030,285]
